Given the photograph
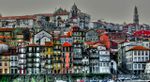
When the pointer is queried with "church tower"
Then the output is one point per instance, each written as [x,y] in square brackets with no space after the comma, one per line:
[74,11]
[136,16]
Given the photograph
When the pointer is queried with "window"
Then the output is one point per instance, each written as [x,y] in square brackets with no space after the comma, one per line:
[30,49]
[146,58]
[5,64]
[142,52]
[138,52]
[135,53]
[142,58]
[146,53]
[135,58]
[139,66]
[139,59]
[37,49]
[135,66]
[12,71]
[22,50]
[15,70]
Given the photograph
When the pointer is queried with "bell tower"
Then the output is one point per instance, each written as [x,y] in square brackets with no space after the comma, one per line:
[74,11]
[136,16]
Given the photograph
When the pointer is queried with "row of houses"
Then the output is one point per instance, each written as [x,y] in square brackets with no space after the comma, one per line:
[75,52]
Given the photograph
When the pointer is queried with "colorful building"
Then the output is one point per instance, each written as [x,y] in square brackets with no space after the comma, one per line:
[67,58]
[13,61]
[33,59]
[21,51]
[5,63]
[47,57]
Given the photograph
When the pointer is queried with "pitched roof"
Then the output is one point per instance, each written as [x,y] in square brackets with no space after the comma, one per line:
[66,44]
[138,48]
[44,14]
[48,44]
[6,29]
[142,33]
[89,43]
[33,45]
[6,37]
[18,17]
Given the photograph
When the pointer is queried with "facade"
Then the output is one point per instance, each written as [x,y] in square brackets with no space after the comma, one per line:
[68,58]
[13,61]
[5,63]
[6,34]
[147,68]
[78,36]
[41,37]
[47,56]
[125,46]
[21,52]
[17,21]
[100,62]
[136,59]
[94,61]
[85,63]
[33,59]
[92,36]
[57,61]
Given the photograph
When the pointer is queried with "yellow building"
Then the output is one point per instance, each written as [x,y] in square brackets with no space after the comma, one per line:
[47,55]
[5,63]
[57,57]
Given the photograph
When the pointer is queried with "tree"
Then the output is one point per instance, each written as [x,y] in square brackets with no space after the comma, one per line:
[26,34]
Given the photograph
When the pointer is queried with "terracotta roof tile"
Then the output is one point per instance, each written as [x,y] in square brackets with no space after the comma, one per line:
[5,37]
[48,44]
[45,14]
[138,48]
[7,29]
[32,45]
[142,33]
[18,17]
[66,44]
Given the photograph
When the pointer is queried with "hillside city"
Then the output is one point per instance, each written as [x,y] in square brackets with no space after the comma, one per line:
[66,46]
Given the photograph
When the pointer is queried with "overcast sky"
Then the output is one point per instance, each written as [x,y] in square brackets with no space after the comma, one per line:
[117,11]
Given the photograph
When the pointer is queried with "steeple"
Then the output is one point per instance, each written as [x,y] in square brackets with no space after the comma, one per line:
[136,16]
[74,10]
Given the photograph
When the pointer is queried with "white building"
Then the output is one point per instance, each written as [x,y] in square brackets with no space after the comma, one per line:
[125,46]
[17,21]
[21,50]
[104,60]
[41,37]
[136,58]
[100,62]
